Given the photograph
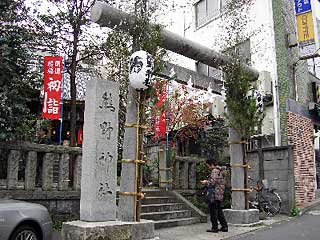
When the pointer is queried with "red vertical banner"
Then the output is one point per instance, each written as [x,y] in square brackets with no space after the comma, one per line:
[53,66]
[160,120]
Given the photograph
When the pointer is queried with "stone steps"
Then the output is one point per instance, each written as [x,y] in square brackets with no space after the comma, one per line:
[159,200]
[158,216]
[168,209]
[162,207]
[176,222]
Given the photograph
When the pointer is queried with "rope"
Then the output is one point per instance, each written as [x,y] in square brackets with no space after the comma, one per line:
[237,142]
[241,165]
[135,125]
[133,161]
[241,190]
[136,194]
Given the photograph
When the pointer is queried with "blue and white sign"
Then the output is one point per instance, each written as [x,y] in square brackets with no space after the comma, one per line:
[302,6]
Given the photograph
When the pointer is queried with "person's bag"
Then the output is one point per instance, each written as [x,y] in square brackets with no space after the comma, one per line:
[209,194]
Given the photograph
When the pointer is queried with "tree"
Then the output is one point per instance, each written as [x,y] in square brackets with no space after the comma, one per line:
[183,109]
[245,119]
[70,32]
[214,137]
[17,78]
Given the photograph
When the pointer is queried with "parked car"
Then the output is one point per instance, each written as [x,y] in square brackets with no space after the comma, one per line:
[24,221]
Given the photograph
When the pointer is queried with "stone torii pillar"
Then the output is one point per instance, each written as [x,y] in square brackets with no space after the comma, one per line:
[107,16]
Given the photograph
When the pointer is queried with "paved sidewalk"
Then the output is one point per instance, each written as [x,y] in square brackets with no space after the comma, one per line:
[198,231]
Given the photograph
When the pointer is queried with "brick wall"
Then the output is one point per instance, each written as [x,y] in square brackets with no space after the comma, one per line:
[300,134]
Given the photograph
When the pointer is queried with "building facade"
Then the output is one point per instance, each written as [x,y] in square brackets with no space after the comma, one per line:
[271,47]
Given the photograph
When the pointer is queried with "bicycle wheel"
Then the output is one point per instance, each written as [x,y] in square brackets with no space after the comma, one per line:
[270,203]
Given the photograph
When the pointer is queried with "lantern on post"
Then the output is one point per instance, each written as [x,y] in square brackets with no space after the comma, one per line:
[140,70]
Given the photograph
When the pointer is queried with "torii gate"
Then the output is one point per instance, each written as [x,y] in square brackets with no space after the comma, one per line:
[108,16]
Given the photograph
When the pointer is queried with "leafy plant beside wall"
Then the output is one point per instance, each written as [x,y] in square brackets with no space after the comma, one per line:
[245,119]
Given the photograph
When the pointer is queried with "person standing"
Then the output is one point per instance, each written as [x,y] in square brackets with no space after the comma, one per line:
[216,180]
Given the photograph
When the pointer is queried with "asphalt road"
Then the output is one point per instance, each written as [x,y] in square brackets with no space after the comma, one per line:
[306,227]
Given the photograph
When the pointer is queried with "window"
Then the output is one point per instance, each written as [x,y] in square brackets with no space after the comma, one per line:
[208,9]
[208,71]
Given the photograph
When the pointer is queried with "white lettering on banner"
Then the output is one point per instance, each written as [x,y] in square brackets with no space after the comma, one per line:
[50,67]
[57,70]
[54,85]
[57,65]
[53,105]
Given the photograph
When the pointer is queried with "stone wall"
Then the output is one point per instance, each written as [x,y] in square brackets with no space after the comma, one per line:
[45,174]
[300,134]
[276,165]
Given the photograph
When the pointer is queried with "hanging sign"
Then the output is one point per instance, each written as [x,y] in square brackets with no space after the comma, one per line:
[53,66]
[302,6]
[306,27]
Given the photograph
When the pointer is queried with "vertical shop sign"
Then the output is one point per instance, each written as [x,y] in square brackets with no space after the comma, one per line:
[53,67]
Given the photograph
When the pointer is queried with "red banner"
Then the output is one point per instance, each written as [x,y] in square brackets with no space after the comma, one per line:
[53,66]
[160,121]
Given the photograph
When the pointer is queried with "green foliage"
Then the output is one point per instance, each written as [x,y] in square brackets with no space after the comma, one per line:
[199,203]
[17,80]
[214,138]
[202,173]
[245,119]
[295,212]
[57,225]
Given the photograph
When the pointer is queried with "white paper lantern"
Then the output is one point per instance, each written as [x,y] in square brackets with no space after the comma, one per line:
[140,70]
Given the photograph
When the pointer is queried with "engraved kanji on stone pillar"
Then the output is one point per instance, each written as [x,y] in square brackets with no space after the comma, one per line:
[99,159]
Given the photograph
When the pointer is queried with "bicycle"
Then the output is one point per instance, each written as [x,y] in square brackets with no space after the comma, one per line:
[266,200]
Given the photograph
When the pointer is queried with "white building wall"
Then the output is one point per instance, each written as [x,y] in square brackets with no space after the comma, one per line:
[263,56]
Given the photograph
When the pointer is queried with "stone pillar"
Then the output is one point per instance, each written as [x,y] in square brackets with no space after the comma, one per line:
[47,171]
[77,173]
[238,214]
[177,174]
[192,175]
[64,172]
[128,173]
[31,167]
[162,168]
[13,168]
[100,152]
[184,175]
[237,173]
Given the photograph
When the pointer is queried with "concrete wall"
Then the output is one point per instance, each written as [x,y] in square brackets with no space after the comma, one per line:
[276,165]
